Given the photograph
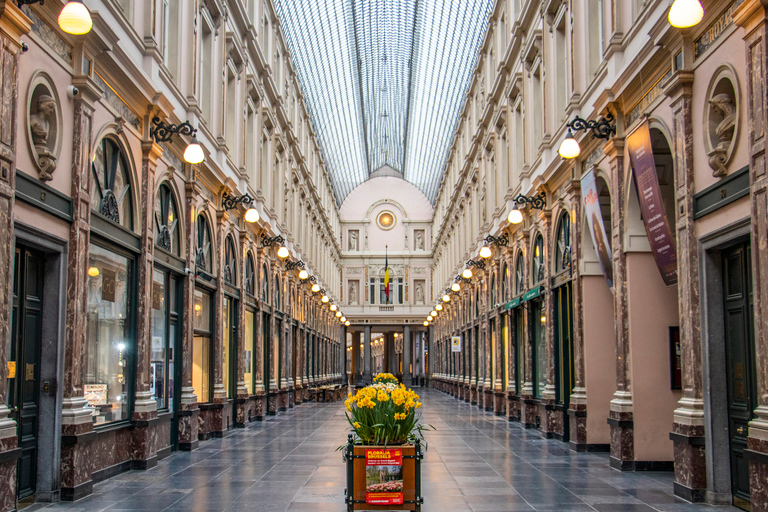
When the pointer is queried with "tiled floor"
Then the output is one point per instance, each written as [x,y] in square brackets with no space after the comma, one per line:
[475,462]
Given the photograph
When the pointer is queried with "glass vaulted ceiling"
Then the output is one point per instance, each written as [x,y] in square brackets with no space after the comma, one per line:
[384,81]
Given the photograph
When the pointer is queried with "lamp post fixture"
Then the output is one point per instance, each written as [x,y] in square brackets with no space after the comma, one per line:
[267,241]
[293,265]
[603,128]
[489,240]
[515,216]
[476,264]
[231,202]
[163,132]
[74,17]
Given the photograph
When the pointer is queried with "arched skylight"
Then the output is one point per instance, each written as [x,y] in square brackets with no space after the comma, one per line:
[384,81]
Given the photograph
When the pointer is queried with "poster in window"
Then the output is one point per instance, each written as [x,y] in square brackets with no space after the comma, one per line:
[384,476]
[108,285]
[455,343]
[157,296]
[675,359]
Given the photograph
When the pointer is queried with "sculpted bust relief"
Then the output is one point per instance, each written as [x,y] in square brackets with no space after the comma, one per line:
[722,114]
[40,124]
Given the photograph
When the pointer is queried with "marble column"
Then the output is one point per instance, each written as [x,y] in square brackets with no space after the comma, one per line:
[497,344]
[76,476]
[259,341]
[620,417]
[752,15]
[216,413]
[144,405]
[14,24]
[367,377]
[688,427]
[577,407]
[189,412]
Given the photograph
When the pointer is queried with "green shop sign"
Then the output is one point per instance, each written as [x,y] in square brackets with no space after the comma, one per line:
[532,294]
[512,304]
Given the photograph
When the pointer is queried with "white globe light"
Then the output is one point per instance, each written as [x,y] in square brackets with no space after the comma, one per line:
[303,274]
[569,148]
[439,307]
[467,274]
[315,287]
[282,252]
[515,216]
[429,318]
[344,319]
[446,298]
[685,13]
[324,299]
[334,307]
[485,252]
[455,287]
[338,314]
[426,324]
[346,322]
[251,215]
[194,152]
[433,313]
[75,19]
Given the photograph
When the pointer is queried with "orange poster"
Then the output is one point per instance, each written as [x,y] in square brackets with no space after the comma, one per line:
[384,476]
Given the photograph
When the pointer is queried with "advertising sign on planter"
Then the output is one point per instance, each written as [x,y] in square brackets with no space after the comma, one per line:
[384,476]
[649,195]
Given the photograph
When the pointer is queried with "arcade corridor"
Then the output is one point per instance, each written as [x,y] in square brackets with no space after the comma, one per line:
[475,462]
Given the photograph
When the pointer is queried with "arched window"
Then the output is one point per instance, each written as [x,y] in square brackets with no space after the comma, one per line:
[167,221]
[230,262]
[264,284]
[277,292]
[563,243]
[477,303]
[203,256]
[519,274]
[250,271]
[538,259]
[493,290]
[505,283]
[112,196]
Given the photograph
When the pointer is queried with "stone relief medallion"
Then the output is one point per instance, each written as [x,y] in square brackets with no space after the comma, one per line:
[386,220]
[721,119]
[44,122]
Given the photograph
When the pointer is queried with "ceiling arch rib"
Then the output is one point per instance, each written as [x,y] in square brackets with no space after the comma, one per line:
[384,81]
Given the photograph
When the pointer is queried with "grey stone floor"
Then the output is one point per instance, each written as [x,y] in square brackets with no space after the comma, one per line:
[475,462]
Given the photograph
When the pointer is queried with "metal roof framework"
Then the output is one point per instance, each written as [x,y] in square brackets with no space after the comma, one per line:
[384,81]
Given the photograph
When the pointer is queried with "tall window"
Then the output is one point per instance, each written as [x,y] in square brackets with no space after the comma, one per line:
[206,77]
[505,283]
[538,260]
[110,340]
[201,346]
[165,327]
[493,291]
[112,196]
[167,221]
[278,292]
[203,255]
[563,244]
[396,291]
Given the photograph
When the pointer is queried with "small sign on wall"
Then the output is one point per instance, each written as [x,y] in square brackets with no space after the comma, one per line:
[108,284]
[455,343]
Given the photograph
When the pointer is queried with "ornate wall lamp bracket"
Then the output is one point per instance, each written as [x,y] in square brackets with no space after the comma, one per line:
[163,132]
[603,128]
[537,202]
[476,263]
[293,265]
[267,241]
[231,202]
[29,2]
[501,241]
[462,279]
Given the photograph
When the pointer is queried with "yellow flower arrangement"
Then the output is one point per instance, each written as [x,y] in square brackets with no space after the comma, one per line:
[385,378]
[384,413]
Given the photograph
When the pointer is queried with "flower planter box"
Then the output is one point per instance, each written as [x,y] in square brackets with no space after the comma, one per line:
[383,496]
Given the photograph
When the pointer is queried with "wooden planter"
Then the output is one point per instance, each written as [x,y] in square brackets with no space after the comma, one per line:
[357,497]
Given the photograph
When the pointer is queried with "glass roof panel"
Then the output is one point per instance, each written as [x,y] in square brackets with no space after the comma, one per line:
[384,81]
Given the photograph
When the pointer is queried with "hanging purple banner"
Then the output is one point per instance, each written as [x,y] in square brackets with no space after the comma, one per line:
[649,195]
[596,226]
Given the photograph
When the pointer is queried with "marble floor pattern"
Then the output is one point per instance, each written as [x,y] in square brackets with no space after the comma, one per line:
[475,462]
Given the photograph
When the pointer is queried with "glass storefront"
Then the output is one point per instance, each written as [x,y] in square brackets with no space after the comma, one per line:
[539,352]
[248,334]
[201,347]
[165,320]
[226,340]
[110,341]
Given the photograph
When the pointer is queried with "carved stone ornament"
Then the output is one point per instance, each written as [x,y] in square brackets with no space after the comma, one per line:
[44,121]
[721,118]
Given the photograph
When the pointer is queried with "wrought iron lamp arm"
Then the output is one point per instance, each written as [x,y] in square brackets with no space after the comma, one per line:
[501,241]
[231,202]
[538,201]
[600,129]
[163,132]
[292,265]
[476,263]
[267,241]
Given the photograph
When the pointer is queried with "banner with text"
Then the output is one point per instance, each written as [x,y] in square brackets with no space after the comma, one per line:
[384,476]
[651,205]
[596,226]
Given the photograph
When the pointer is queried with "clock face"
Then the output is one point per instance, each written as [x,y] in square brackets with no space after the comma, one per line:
[386,220]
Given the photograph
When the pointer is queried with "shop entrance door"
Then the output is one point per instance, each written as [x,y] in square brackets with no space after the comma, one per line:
[740,361]
[24,363]
[564,352]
